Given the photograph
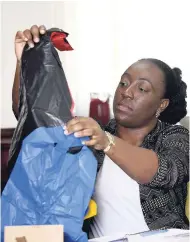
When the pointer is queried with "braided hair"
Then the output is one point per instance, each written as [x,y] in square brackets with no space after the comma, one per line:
[175,91]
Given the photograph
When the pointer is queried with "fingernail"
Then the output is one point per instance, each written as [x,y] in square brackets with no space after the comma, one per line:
[36,40]
[64,127]
[31,45]
[83,142]
[76,135]
[25,39]
[42,31]
[66,132]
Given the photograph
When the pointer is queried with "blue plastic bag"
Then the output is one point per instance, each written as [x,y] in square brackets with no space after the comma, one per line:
[49,185]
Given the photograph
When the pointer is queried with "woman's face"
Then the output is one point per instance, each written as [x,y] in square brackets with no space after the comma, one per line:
[139,95]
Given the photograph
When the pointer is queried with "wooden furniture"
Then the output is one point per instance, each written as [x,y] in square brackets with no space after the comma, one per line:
[6,137]
[35,233]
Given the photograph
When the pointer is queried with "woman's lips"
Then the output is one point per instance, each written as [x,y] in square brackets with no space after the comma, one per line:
[124,108]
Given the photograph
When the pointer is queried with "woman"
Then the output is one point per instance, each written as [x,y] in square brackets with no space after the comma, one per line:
[143,156]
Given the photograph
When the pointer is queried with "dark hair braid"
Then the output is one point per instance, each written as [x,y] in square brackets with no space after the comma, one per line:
[175,91]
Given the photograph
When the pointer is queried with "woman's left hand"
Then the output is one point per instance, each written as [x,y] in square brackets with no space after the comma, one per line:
[83,127]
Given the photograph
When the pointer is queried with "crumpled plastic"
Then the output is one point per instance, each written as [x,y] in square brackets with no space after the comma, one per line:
[52,175]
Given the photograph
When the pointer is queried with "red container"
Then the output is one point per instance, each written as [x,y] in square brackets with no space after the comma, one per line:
[99,107]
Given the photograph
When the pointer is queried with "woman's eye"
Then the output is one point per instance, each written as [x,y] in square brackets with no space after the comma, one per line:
[142,89]
[124,84]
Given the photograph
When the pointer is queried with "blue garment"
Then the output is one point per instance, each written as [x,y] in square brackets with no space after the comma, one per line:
[48,185]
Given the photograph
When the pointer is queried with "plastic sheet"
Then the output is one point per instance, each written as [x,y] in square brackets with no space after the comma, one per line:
[53,177]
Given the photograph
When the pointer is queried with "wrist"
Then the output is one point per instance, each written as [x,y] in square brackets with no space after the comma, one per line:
[105,141]
[110,142]
[18,63]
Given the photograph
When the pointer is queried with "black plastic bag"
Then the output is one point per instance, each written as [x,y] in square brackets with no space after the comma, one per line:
[40,69]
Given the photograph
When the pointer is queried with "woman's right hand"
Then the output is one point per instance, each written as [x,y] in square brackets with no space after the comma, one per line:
[29,36]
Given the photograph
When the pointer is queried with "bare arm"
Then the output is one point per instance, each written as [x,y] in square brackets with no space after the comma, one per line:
[15,90]
[139,163]
[165,168]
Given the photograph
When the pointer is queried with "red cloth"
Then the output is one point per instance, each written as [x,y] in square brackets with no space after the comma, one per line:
[60,42]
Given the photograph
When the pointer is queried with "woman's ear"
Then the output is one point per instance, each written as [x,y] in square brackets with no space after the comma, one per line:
[164,104]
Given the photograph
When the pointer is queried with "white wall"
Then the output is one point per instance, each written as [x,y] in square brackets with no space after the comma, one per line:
[107,36]
[17,16]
